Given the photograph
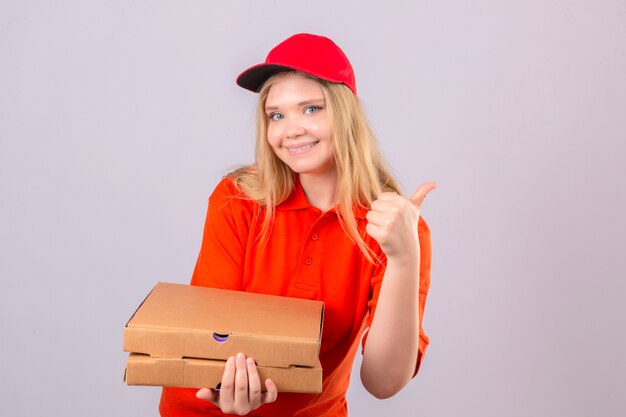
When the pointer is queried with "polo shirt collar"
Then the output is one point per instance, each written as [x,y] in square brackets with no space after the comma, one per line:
[297,201]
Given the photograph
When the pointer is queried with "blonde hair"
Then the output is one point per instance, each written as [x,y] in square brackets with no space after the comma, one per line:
[361,171]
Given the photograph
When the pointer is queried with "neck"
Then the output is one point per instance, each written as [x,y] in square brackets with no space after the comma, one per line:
[320,189]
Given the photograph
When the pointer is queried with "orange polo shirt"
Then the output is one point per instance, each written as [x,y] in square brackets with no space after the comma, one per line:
[308,255]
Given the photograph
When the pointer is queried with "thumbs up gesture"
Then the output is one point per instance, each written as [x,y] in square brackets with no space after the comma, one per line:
[392,220]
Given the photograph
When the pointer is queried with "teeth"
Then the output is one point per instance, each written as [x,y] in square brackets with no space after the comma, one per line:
[303,148]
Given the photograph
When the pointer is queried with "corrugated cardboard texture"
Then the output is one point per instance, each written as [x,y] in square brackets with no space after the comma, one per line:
[205,373]
[177,321]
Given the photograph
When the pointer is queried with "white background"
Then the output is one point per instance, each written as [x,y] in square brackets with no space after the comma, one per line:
[117,118]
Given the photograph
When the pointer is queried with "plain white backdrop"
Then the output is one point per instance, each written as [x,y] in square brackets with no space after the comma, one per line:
[117,118]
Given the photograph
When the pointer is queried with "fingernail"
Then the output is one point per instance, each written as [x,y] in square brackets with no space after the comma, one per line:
[250,361]
[240,355]
[230,360]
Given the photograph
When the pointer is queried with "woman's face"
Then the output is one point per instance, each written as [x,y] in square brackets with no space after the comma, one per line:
[298,129]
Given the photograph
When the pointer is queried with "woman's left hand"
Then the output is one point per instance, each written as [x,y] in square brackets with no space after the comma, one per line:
[392,220]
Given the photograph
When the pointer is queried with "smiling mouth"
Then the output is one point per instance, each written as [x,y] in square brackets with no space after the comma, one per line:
[303,148]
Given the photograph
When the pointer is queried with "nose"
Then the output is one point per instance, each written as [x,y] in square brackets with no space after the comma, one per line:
[294,129]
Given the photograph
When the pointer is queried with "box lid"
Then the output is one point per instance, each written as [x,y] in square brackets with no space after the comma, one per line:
[177,320]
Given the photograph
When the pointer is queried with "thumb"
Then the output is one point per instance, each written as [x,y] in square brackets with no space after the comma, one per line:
[207,395]
[420,194]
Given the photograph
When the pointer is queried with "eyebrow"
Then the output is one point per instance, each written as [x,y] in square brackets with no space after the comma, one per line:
[300,104]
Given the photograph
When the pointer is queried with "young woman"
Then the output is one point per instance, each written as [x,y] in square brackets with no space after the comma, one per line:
[318,216]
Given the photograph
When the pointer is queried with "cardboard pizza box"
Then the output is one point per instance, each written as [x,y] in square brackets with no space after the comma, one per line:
[205,373]
[178,321]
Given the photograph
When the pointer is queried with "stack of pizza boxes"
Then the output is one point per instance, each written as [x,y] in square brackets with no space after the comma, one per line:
[181,336]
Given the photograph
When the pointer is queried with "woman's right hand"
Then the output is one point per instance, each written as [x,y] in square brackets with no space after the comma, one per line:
[240,390]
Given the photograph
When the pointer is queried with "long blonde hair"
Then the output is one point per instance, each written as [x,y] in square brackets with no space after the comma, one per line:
[361,171]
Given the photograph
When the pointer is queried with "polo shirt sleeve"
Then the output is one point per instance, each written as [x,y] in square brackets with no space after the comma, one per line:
[377,278]
[221,258]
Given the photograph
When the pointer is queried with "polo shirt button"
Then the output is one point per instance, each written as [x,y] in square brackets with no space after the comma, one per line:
[314,236]
[308,261]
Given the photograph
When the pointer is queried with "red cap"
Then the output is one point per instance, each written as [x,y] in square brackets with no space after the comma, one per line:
[312,54]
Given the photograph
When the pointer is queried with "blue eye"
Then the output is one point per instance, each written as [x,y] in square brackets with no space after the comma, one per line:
[276,116]
[312,109]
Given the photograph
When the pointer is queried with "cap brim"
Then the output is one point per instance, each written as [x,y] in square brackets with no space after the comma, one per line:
[254,77]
